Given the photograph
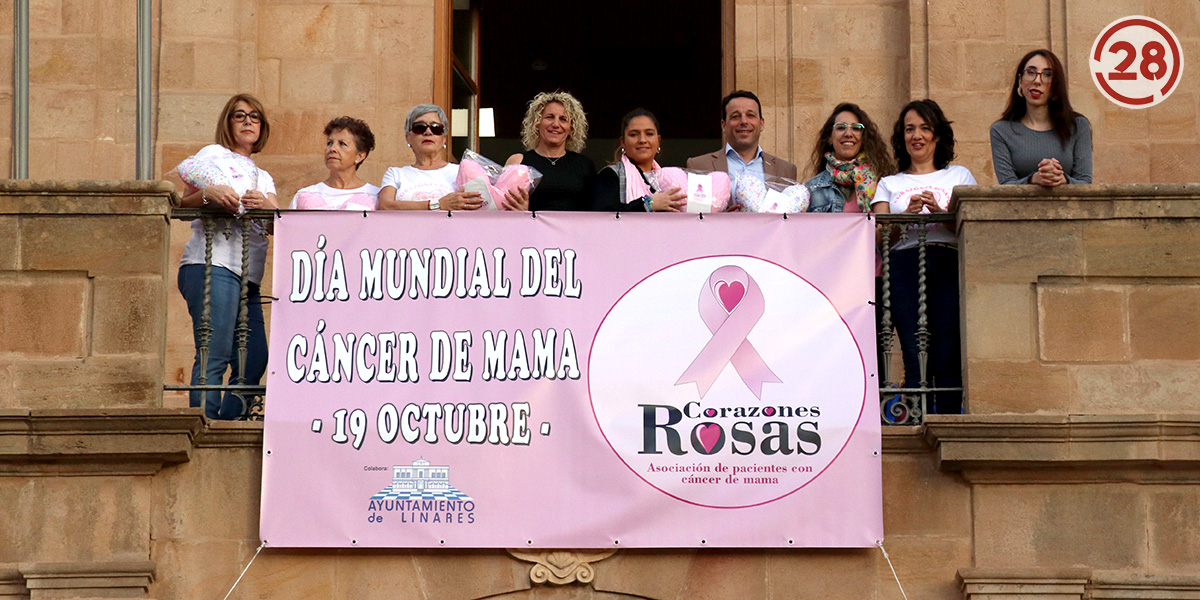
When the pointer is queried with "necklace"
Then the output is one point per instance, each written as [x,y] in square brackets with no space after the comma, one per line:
[553,161]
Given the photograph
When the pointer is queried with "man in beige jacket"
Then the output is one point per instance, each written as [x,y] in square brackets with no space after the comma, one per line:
[741,125]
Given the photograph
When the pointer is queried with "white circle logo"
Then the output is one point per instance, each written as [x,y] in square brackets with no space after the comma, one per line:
[1136,62]
[726,381]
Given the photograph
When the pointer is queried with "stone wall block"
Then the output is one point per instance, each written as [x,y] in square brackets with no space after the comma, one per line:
[746,28]
[1174,519]
[268,81]
[128,315]
[645,573]
[964,19]
[44,316]
[945,67]
[1164,322]
[1082,323]
[923,501]
[988,66]
[213,497]
[1147,385]
[215,63]
[477,575]
[1026,25]
[1143,247]
[1101,526]
[316,30]
[355,87]
[1120,161]
[289,574]
[212,19]
[726,574]
[78,16]
[1174,118]
[356,576]
[1027,387]
[190,116]
[62,114]
[829,573]
[118,62]
[79,519]
[10,248]
[1021,252]
[925,564]
[308,82]
[99,381]
[1121,124]
[177,64]
[200,569]
[45,16]
[62,61]
[999,320]
[100,244]
[1170,162]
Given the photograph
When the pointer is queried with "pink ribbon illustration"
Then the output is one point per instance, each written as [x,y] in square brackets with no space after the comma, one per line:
[730,306]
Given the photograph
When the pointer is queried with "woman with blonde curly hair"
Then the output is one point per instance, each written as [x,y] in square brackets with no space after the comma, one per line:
[554,132]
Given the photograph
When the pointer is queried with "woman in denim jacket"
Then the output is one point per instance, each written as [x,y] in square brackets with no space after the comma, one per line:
[848,160]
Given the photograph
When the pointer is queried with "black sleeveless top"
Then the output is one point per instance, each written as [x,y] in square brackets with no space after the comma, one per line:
[566,183]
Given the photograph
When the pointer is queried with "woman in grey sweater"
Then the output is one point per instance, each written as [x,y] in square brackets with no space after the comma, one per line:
[1039,139]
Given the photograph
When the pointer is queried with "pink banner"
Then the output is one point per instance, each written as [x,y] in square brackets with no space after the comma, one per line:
[572,381]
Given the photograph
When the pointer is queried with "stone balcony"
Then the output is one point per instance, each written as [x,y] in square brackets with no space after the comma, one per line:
[1075,475]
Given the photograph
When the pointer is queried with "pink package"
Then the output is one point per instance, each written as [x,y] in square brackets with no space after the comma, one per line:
[512,178]
[671,177]
[498,180]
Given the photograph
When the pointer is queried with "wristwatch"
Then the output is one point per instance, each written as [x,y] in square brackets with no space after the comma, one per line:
[435,204]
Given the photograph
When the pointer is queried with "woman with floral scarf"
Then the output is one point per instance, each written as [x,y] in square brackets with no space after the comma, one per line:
[849,159]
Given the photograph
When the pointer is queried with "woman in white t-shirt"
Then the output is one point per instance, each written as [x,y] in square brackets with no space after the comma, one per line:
[348,141]
[428,183]
[923,143]
[223,176]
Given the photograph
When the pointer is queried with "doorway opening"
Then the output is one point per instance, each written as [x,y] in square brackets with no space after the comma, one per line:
[614,56]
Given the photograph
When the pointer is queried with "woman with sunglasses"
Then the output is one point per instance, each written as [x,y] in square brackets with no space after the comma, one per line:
[554,133]
[1040,139]
[923,143]
[242,131]
[428,183]
[848,159]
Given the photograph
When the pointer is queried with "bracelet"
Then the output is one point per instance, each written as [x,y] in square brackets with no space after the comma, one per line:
[649,201]
[203,196]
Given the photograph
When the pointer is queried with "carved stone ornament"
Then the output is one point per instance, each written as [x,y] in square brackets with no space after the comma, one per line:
[561,567]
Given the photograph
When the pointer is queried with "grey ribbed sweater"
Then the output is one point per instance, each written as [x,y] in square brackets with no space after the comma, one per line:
[1017,150]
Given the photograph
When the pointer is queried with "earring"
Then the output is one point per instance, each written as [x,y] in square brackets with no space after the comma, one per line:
[409,145]
[659,150]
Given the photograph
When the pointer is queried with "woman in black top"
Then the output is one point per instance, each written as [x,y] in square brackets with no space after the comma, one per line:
[629,184]
[554,132]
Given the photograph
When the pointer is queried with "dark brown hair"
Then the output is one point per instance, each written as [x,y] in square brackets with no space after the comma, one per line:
[1062,116]
[932,114]
[738,94]
[629,116]
[872,143]
[364,140]
[225,131]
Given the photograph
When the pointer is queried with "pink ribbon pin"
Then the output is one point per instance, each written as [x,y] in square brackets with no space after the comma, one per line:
[730,306]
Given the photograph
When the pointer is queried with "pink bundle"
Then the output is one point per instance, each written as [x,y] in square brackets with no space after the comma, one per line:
[775,195]
[693,183]
[477,173]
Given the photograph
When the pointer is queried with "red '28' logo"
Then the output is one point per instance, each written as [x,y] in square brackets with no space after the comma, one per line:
[1136,62]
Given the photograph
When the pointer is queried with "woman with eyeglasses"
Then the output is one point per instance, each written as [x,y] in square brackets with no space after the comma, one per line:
[629,184]
[1040,139]
[348,141]
[428,183]
[848,159]
[923,143]
[554,133]
[235,183]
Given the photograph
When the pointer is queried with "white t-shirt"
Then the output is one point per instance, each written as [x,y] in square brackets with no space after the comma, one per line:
[412,183]
[242,175]
[322,197]
[897,190]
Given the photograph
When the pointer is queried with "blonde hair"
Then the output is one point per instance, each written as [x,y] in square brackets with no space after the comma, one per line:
[224,135]
[578,137]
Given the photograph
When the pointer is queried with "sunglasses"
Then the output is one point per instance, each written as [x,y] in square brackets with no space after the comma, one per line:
[420,128]
[840,126]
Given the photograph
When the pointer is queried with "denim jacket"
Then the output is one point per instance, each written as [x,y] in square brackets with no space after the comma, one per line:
[824,195]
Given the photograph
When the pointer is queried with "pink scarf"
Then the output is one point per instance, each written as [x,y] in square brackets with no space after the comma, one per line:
[635,183]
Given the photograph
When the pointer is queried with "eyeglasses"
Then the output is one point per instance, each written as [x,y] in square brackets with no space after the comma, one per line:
[242,115]
[841,127]
[1031,74]
[420,128]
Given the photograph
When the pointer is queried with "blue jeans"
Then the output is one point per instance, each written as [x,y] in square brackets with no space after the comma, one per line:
[944,364]
[222,344]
